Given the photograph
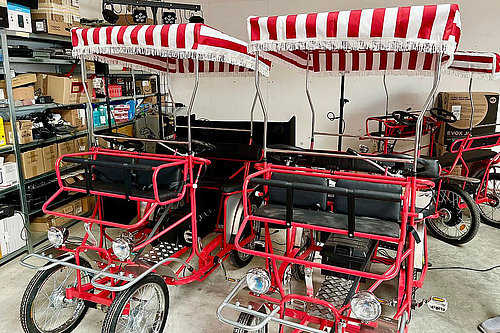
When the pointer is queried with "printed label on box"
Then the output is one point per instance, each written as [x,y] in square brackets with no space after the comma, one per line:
[456,110]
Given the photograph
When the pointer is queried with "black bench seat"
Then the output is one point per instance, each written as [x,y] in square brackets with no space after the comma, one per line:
[333,220]
[117,188]
[223,184]
[447,159]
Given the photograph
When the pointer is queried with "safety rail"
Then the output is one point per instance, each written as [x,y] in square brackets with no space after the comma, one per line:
[470,143]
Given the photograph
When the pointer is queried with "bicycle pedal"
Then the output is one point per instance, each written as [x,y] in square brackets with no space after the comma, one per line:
[437,304]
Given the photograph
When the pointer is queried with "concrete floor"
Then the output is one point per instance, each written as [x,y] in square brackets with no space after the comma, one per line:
[473,297]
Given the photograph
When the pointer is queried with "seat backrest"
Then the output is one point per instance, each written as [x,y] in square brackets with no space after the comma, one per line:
[380,209]
[111,174]
[166,177]
[301,199]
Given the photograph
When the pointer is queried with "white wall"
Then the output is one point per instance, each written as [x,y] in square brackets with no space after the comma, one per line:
[230,98]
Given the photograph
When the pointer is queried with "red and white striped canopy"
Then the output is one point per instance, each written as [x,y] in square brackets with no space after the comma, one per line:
[161,48]
[485,65]
[400,40]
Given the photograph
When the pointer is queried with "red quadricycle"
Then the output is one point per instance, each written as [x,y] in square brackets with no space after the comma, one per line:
[355,239]
[124,267]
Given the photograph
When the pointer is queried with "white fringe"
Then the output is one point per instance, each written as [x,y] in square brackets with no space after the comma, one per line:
[357,44]
[94,52]
[471,75]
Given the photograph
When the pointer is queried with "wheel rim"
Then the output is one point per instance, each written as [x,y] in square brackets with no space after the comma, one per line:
[455,219]
[51,311]
[144,311]
[491,208]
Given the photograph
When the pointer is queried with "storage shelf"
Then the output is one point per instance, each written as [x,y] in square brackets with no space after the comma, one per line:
[54,139]
[43,61]
[58,203]
[52,173]
[117,125]
[38,36]
[41,236]
[6,149]
[40,107]
[4,191]
[121,98]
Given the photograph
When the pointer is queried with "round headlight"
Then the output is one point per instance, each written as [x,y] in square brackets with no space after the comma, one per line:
[258,280]
[57,236]
[366,306]
[122,248]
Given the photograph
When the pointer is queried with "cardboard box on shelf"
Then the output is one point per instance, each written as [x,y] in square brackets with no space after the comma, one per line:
[20,80]
[20,93]
[88,203]
[8,171]
[67,147]
[143,87]
[485,116]
[3,139]
[81,144]
[59,221]
[127,130]
[42,223]
[19,17]
[77,206]
[32,163]
[62,89]
[24,133]
[74,117]
[50,154]
[49,26]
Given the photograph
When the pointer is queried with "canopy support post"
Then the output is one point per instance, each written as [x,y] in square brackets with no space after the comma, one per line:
[309,99]
[254,103]
[472,107]
[88,108]
[341,111]
[262,104]
[191,103]
[418,130]
[169,93]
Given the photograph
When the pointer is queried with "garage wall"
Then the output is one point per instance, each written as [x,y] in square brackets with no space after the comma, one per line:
[230,98]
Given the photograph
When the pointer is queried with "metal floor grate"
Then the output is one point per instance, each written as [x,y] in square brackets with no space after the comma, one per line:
[161,251]
[333,290]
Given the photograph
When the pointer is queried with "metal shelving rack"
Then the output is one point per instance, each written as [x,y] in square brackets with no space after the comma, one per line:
[13,111]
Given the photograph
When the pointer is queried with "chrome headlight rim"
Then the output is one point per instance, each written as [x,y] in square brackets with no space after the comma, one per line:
[122,244]
[57,236]
[363,299]
[262,277]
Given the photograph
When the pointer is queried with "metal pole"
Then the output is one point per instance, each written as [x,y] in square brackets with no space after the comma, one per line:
[158,87]
[15,137]
[174,109]
[134,92]
[108,99]
[341,111]
[309,99]
[262,104]
[472,107]
[191,103]
[418,130]
[88,108]
[251,115]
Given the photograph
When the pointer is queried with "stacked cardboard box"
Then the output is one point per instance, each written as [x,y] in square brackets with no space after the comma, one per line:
[56,16]
[50,155]
[67,147]
[76,207]
[32,163]
[22,87]
[24,131]
[81,144]
[75,117]
[63,89]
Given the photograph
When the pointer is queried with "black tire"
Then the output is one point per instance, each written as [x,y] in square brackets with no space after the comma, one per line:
[298,271]
[115,312]
[239,259]
[247,319]
[453,218]
[34,290]
[490,213]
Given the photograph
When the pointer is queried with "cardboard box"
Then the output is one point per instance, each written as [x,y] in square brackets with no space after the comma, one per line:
[20,93]
[144,87]
[8,171]
[50,155]
[24,132]
[74,117]
[19,17]
[126,19]
[50,27]
[20,80]
[32,163]
[81,144]
[42,224]
[485,113]
[67,147]
[77,206]
[3,139]
[66,209]
[62,89]
[127,130]
[88,203]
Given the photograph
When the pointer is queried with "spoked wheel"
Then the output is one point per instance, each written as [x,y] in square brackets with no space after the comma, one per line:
[143,308]
[459,218]
[490,210]
[45,308]
[249,320]
[240,259]
[298,271]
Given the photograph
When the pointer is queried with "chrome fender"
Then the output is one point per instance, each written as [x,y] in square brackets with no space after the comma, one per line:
[233,212]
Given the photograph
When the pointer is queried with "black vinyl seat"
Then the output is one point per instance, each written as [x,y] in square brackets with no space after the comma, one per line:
[332,220]
[372,216]
[222,184]
[447,159]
